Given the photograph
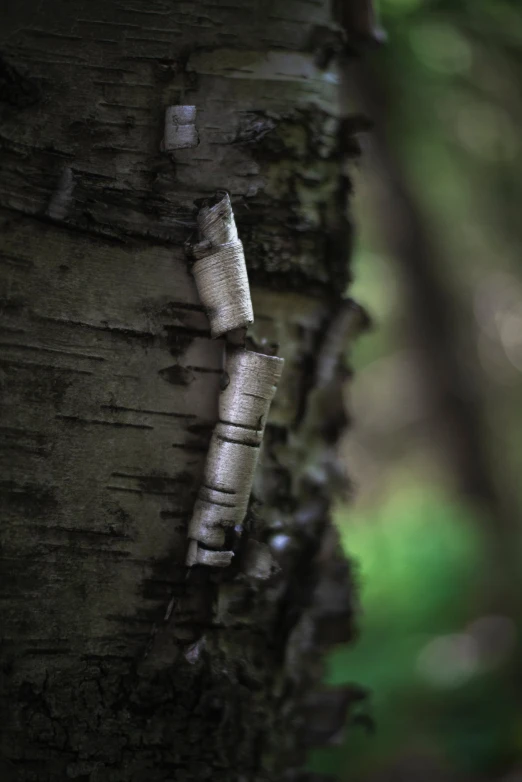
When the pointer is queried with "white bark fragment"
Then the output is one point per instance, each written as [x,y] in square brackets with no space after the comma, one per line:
[180,128]
[220,270]
[233,453]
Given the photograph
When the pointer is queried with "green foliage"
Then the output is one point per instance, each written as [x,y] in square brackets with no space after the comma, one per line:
[420,557]
[420,545]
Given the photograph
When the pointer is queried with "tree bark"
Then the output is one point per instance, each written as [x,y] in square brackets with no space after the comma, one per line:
[118,663]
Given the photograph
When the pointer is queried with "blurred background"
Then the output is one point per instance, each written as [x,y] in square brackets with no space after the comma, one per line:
[435,448]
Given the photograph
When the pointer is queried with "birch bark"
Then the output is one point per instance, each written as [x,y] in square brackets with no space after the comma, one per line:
[116,665]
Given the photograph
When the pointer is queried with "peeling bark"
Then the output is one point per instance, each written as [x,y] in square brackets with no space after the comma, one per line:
[116,664]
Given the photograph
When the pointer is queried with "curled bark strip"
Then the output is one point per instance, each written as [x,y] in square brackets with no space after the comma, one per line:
[180,128]
[233,453]
[253,379]
[219,270]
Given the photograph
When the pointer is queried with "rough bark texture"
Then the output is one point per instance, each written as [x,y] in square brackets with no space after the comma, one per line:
[116,664]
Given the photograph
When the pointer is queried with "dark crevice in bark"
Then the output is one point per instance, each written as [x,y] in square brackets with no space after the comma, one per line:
[16,89]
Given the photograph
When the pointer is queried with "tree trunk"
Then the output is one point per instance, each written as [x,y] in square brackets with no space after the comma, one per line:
[118,662]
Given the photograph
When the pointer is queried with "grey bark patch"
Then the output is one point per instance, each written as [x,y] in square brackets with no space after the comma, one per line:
[179,339]
[165,483]
[177,375]
[174,514]
[24,441]
[253,127]
[257,561]
[174,307]
[61,198]
[204,429]
[30,500]
[13,305]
